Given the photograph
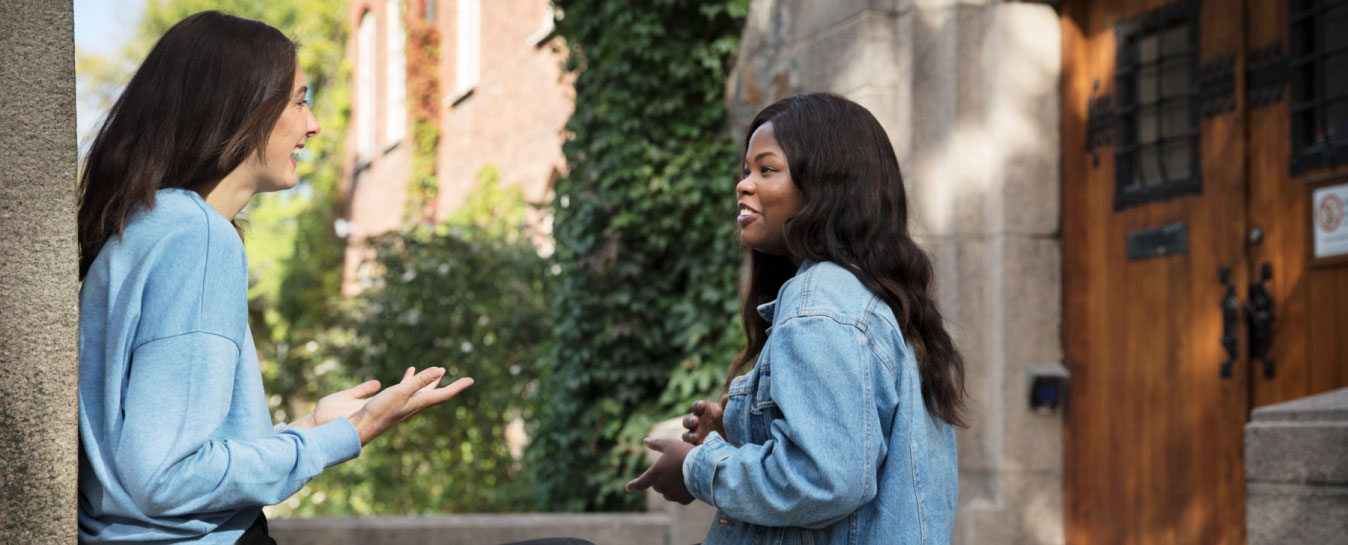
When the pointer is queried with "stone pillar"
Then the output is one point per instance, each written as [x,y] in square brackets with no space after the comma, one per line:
[968,92]
[1296,471]
[38,272]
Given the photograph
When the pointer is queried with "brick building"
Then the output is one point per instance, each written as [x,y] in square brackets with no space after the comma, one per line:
[504,102]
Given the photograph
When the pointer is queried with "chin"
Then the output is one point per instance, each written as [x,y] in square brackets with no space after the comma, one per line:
[280,185]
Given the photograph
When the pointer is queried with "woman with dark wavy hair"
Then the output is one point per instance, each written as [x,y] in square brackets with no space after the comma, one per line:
[843,429]
[176,442]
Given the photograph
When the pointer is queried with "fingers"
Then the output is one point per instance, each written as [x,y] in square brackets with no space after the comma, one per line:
[642,482]
[658,445]
[408,374]
[441,395]
[690,422]
[363,389]
[426,377]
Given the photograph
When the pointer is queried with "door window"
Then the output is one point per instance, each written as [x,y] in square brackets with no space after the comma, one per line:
[1156,156]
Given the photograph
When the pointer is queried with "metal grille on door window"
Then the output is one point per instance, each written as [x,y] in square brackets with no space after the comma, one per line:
[1156,155]
[1319,73]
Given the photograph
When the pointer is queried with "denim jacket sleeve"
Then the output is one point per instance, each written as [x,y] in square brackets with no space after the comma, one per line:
[818,460]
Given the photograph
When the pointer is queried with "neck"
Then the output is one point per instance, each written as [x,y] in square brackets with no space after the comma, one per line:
[230,195]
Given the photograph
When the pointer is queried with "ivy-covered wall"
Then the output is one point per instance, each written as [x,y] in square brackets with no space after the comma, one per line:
[644,299]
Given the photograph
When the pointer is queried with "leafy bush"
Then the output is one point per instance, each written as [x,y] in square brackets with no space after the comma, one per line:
[645,300]
[469,295]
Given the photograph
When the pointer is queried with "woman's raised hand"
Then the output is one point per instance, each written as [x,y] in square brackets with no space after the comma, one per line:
[397,403]
[706,418]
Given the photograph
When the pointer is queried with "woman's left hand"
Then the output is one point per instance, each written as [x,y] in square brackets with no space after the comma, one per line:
[666,474]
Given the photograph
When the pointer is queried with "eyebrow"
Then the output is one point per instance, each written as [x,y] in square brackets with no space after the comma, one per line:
[302,91]
[764,154]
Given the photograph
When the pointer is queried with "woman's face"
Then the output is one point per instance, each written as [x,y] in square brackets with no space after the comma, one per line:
[292,129]
[767,194]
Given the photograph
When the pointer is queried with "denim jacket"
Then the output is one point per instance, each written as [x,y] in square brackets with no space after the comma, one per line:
[829,440]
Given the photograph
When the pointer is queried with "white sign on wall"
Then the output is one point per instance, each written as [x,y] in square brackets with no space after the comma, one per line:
[1328,204]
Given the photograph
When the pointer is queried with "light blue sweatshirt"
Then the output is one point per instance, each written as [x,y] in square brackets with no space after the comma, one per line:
[176,443]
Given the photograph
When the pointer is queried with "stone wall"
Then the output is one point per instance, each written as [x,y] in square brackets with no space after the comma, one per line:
[1296,471]
[38,272]
[968,92]
[479,529]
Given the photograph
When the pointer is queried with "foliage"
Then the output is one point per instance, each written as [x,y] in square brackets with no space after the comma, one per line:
[423,94]
[467,294]
[645,300]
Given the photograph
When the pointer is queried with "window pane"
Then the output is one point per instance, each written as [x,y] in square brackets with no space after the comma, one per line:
[1149,168]
[1178,159]
[1146,85]
[1335,25]
[1146,125]
[1147,48]
[1176,118]
[1336,75]
[1175,77]
[1174,40]
[1336,120]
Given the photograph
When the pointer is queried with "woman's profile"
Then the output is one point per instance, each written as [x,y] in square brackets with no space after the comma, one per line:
[842,429]
[176,441]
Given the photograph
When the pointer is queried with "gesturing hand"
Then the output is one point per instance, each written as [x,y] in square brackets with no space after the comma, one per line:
[399,402]
[706,418]
[666,474]
[336,405]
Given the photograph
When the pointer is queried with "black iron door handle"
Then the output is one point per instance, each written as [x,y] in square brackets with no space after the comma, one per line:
[1259,310]
[1230,319]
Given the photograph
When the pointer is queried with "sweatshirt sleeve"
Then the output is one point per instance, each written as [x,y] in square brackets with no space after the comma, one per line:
[168,454]
[820,458]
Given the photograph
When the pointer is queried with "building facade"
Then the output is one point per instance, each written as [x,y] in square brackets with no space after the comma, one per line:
[1143,195]
[503,102]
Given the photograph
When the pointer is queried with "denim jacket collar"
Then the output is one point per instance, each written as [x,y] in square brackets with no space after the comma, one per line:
[767,310]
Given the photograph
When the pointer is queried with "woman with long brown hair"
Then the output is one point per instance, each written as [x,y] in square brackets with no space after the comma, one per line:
[176,442]
[843,429]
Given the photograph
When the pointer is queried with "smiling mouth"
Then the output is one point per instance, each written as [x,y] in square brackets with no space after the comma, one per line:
[746,215]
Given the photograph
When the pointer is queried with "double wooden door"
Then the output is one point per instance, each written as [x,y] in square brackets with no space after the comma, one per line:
[1194,135]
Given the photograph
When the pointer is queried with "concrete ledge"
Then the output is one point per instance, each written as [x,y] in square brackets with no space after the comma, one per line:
[1296,468]
[1296,452]
[475,529]
[1328,406]
[1290,514]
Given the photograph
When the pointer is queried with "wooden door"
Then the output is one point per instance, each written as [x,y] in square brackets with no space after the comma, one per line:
[1164,179]
[1309,351]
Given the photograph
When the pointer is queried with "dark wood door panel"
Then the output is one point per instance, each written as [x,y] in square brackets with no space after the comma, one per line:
[1153,434]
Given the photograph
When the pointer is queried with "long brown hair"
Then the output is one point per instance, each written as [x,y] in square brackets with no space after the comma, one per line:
[206,97]
[854,214]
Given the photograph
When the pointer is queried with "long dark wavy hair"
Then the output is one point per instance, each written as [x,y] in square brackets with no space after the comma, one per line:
[855,214]
[204,99]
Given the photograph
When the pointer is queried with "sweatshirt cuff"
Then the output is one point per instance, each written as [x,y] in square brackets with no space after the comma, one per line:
[699,467]
[335,442]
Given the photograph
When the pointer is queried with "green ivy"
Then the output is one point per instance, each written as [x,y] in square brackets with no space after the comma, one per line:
[644,302]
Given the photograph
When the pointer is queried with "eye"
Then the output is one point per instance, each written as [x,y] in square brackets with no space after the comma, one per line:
[766,169]
[303,103]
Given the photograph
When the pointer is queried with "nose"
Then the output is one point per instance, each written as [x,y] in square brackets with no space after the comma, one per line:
[311,127]
[745,186]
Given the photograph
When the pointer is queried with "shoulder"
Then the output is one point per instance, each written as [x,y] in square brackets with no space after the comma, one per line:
[826,289]
[181,219]
[184,263]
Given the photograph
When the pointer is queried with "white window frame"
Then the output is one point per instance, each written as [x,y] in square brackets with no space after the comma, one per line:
[468,48]
[365,85]
[395,80]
